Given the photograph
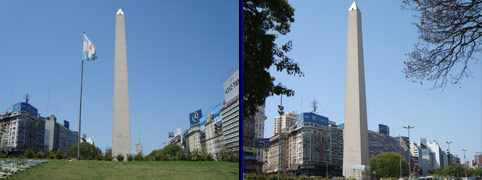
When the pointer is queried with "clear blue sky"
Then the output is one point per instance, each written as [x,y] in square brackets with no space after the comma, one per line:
[319,45]
[178,52]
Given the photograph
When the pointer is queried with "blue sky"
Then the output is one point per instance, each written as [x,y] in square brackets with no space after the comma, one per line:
[319,45]
[178,52]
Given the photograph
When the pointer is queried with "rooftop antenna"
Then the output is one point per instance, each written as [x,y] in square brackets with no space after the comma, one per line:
[27,97]
[314,105]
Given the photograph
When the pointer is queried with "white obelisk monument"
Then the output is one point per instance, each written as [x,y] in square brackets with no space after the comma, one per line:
[356,161]
[121,127]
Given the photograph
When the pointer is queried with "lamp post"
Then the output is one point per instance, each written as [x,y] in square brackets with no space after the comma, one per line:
[465,168]
[409,156]
[280,111]
[448,143]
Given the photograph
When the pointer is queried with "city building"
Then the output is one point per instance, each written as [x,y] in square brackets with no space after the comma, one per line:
[478,158]
[309,145]
[259,130]
[336,148]
[287,120]
[194,138]
[230,113]
[273,154]
[214,133]
[438,159]
[21,128]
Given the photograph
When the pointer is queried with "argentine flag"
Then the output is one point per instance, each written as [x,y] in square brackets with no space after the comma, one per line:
[88,50]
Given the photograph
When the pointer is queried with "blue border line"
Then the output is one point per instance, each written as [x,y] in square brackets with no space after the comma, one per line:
[241,87]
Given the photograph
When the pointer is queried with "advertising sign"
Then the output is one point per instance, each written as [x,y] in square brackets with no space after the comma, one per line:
[313,118]
[171,134]
[177,132]
[195,117]
[261,143]
[231,86]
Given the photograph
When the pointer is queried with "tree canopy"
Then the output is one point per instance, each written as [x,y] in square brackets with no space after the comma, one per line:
[87,151]
[387,165]
[450,34]
[261,20]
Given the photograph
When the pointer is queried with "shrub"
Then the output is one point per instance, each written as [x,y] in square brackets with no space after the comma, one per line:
[196,156]
[209,157]
[120,157]
[188,156]
[108,157]
[99,157]
[39,154]
[130,158]
[138,157]
[29,153]
[180,156]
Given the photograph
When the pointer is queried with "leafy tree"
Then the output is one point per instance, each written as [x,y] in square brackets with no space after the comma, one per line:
[450,35]
[261,19]
[87,151]
[171,149]
[130,158]
[387,165]
[99,157]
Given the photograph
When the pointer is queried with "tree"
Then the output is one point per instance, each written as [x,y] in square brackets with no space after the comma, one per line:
[450,32]
[87,151]
[171,149]
[262,18]
[388,165]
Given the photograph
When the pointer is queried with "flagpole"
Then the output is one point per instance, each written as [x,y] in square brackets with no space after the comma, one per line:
[80,107]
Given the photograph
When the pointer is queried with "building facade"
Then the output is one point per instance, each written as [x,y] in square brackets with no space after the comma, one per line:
[21,128]
[230,122]
[287,120]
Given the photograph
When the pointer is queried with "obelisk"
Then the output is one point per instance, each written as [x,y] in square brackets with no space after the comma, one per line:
[356,161]
[121,127]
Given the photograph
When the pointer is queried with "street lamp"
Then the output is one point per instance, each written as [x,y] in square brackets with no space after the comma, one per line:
[464,163]
[409,156]
[280,111]
[448,143]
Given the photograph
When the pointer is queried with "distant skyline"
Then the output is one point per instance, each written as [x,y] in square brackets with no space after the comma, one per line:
[179,53]
[319,45]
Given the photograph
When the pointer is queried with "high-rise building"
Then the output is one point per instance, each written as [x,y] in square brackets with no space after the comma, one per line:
[356,163]
[287,120]
[230,113]
[336,149]
[21,128]
[435,148]
[121,128]
[478,159]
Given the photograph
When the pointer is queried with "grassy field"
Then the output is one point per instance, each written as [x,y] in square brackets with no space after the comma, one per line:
[63,169]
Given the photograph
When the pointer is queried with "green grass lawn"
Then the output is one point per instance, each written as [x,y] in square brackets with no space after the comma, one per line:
[63,169]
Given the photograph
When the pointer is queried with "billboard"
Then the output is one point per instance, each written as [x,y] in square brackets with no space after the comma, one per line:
[261,143]
[231,86]
[177,132]
[195,117]
[313,118]
[171,134]
[383,129]
[66,124]
[21,106]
